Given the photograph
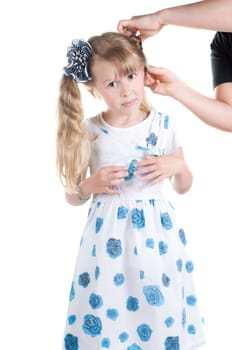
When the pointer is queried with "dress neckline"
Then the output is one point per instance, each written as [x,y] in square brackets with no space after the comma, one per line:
[139,124]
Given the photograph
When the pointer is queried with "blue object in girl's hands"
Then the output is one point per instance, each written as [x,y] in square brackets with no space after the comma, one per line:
[131,169]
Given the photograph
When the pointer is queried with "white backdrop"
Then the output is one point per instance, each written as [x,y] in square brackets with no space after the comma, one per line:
[40,232]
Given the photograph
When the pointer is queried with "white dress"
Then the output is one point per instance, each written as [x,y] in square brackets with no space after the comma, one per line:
[132,287]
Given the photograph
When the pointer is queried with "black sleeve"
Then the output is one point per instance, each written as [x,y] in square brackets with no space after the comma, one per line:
[221,58]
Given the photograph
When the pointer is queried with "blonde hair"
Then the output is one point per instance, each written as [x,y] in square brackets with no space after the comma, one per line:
[73,142]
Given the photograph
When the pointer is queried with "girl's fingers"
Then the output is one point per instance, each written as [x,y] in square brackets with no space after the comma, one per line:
[117,181]
[115,168]
[146,169]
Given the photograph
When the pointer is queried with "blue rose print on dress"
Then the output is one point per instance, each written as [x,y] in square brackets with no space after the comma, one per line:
[72,292]
[104,130]
[97,272]
[112,314]
[132,303]
[114,248]
[141,274]
[169,321]
[138,219]
[191,329]
[182,236]
[151,143]
[99,223]
[95,301]
[184,318]
[191,300]
[105,343]
[71,342]
[131,169]
[123,337]
[150,243]
[152,202]
[166,121]
[166,221]
[122,212]
[134,346]
[92,325]
[84,279]
[153,295]
[72,319]
[94,250]
[189,266]
[163,248]
[172,343]
[144,331]
[179,265]
[152,139]
[119,279]
[165,280]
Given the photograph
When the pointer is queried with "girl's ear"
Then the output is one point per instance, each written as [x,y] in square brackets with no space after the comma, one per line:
[93,92]
[148,79]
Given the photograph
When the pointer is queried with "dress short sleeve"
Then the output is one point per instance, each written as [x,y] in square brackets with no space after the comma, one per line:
[169,139]
[221,58]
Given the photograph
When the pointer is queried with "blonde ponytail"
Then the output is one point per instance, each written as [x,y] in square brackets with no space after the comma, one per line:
[73,144]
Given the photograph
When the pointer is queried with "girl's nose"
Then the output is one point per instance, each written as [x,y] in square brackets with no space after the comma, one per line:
[125,91]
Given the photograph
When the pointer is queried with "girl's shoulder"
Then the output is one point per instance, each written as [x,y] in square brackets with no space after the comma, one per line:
[163,119]
[94,121]
[93,125]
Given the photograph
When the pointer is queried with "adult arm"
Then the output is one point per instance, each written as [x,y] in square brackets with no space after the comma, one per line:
[208,14]
[214,112]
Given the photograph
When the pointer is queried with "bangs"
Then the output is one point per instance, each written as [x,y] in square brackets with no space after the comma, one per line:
[125,61]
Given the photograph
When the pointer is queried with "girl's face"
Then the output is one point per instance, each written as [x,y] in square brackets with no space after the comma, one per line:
[123,94]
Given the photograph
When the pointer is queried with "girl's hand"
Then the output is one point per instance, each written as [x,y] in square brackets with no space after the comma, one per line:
[105,180]
[155,169]
[143,26]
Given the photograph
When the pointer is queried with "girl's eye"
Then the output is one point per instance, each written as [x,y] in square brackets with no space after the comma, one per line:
[112,84]
[131,76]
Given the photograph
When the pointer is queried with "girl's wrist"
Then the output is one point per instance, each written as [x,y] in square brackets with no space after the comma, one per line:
[82,194]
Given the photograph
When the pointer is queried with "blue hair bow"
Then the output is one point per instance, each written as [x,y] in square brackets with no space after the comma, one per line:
[78,56]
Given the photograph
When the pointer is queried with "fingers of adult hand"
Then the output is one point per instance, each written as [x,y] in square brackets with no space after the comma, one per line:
[124,27]
[156,87]
[155,70]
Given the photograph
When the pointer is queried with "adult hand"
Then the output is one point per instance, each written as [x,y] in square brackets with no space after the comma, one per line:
[162,81]
[143,26]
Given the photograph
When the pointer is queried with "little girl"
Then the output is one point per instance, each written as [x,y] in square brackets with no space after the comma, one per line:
[132,287]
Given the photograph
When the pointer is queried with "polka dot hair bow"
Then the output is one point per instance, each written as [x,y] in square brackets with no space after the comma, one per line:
[78,56]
